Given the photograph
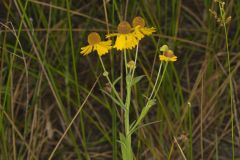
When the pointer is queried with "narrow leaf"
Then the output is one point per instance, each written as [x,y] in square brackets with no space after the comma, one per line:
[113,98]
[137,79]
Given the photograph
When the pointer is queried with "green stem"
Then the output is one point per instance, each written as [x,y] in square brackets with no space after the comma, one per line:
[135,62]
[127,126]
[223,17]
[158,87]
[109,81]
[125,60]
[127,105]
[151,96]
[171,150]
[158,74]
[128,134]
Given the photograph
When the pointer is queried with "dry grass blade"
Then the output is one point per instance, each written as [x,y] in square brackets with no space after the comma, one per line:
[70,124]
[72,12]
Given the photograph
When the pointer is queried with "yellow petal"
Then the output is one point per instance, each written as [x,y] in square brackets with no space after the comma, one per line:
[111,35]
[103,47]
[162,58]
[120,43]
[131,41]
[106,43]
[86,50]
[147,31]
[174,58]
[137,33]
[126,41]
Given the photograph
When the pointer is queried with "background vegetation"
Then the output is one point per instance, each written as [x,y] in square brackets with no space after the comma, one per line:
[44,81]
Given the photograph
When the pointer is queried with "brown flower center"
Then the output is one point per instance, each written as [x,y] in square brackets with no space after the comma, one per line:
[124,27]
[168,54]
[138,21]
[94,38]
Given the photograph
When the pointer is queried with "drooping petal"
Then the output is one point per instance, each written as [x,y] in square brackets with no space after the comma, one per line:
[126,41]
[120,43]
[131,41]
[101,50]
[162,58]
[103,47]
[147,31]
[106,43]
[174,58]
[111,35]
[138,33]
[86,50]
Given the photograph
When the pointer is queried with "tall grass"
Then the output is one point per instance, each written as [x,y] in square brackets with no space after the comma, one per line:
[51,104]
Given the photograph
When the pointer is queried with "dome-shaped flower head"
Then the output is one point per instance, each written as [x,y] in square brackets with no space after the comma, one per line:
[167,55]
[140,30]
[95,44]
[125,37]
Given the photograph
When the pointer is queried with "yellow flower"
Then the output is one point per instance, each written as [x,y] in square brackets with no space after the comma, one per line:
[168,54]
[125,38]
[95,44]
[139,28]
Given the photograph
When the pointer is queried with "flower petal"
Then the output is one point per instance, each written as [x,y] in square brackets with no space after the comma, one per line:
[147,31]
[120,43]
[131,41]
[106,43]
[112,35]
[164,58]
[86,50]
[174,58]
[103,47]
[138,33]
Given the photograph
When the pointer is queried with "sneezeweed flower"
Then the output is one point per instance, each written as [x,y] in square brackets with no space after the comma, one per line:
[167,55]
[96,44]
[140,30]
[125,37]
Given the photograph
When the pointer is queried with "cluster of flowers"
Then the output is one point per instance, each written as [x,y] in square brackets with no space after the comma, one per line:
[128,37]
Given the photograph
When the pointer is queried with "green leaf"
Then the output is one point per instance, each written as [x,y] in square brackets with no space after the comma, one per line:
[113,98]
[123,146]
[137,79]
[115,82]
[143,113]
[132,124]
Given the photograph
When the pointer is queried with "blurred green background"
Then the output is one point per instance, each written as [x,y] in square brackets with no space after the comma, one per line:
[44,81]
